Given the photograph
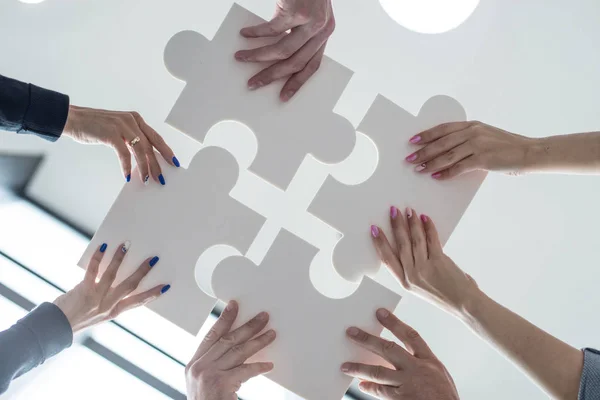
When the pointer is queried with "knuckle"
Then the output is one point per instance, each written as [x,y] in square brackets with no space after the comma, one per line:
[211,336]
[377,372]
[135,115]
[416,241]
[227,340]
[388,346]
[329,27]
[362,336]
[238,349]
[412,334]
[451,155]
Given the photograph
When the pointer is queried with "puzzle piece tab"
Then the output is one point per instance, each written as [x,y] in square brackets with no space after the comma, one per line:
[178,222]
[352,209]
[311,344]
[216,90]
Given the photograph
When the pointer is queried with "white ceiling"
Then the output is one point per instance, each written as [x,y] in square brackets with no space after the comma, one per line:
[530,67]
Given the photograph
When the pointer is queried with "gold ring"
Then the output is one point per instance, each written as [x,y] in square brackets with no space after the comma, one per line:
[135,141]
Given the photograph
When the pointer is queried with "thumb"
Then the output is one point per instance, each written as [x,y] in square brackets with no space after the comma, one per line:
[275,27]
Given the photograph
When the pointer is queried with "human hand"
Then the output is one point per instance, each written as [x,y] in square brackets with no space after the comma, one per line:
[95,300]
[297,55]
[417,260]
[119,130]
[456,148]
[417,373]
[218,369]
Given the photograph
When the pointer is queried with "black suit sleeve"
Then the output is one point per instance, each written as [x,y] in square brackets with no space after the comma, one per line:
[26,108]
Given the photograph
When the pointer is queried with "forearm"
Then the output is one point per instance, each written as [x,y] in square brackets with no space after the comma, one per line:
[26,108]
[554,365]
[576,153]
[40,335]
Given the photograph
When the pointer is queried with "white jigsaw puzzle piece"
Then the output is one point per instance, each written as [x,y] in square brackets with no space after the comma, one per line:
[216,90]
[178,222]
[352,209]
[311,343]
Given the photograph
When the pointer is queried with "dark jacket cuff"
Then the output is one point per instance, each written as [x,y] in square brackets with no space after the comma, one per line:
[51,328]
[47,113]
[589,387]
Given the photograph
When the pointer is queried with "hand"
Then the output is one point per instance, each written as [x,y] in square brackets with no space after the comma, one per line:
[95,300]
[458,147]
[417,373]
[218,369]
[117,130]
[419,263]
[298,54]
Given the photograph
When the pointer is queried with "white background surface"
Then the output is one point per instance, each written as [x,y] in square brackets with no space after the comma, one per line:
[531,68]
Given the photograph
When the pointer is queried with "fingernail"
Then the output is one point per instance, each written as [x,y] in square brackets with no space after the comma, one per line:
[176,162]
[262,316]
[408,212]
[153,261]
[420,167]
[161,179]
[240,56]
[352,331]
[103,248]
[230,305]
[345,367]
[415,139]
[165,288]
[254,85]
[270,333]
[146,179]
[412,157]
[393,212]
[436,175]
[374,231]
[383,313]
[125,246]
[424,218]
[287,95]
[128,177]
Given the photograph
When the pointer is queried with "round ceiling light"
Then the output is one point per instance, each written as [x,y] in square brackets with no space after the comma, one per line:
[429,16]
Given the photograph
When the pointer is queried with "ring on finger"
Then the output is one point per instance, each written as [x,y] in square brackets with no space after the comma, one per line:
[134,141]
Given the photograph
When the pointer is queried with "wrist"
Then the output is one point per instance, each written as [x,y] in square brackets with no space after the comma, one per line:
[72,121]
[536,153]
[471,309]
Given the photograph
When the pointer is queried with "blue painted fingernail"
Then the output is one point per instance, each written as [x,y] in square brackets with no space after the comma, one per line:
[161,179]
[103,248]
[165,288]
[176,162]
[153,261]
[128,177]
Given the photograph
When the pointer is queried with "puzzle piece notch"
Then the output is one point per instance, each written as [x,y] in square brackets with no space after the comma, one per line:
[178,222]
[311,343]
[352,209]
[216,85]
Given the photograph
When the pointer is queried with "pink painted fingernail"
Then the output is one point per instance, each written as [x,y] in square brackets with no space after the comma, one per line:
[383,313]
[424,218]
[374,231]
[412,157]
[254,85]
[240,57]
[436,175]
[415,139]
[420,167]
[393,212]
[408,212]
[287,95]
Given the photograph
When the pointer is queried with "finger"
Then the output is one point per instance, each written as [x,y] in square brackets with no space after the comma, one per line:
[156,140]
[239,353]
[298,79]
[155,169]
[282,50]
[417,237]
[374,373]
[275,27]
[402,239]
[380,391]
[469,164]
[240,335]
[125,158]
[386,349]
[387,254]
[439,131]
[108,277]
[132,282]
[434,247]
[91,273]
[137,300]
[131,131]
[437,148]
[245,372]
[410,337]
[218,330]
[447,159]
